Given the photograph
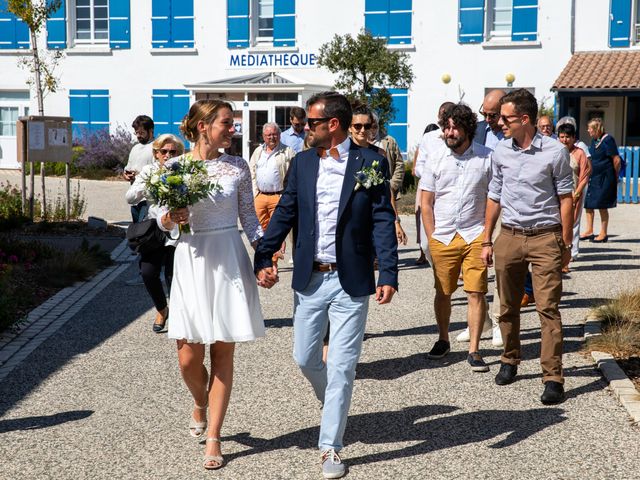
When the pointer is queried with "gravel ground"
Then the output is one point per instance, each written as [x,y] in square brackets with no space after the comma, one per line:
[103,397]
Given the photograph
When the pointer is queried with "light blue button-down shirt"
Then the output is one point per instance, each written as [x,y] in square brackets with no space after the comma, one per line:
[293,139]
[527,182]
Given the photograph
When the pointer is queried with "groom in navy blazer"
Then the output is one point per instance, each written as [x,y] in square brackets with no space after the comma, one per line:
[342,221]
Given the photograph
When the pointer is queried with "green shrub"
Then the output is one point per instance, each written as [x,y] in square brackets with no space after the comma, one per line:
[11,215]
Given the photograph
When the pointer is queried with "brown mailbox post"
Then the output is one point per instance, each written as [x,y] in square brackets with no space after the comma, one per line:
[44,139]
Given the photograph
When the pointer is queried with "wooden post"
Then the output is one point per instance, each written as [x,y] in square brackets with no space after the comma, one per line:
[44,192]
[32,181]
[67,171]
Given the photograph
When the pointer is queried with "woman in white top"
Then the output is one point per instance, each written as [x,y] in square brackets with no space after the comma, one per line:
[214,297]
[151,263]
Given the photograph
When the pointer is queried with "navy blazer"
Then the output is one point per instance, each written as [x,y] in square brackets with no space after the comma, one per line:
[481,132]
[365,225]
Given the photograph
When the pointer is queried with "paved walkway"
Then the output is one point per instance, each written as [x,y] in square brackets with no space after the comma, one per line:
[102,398]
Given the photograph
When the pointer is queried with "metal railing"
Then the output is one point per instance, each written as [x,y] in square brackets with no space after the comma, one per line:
[628,185]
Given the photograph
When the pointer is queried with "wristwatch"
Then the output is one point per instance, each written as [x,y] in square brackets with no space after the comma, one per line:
[398,220]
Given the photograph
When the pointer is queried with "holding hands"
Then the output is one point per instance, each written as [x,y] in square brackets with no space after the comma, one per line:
[267,277]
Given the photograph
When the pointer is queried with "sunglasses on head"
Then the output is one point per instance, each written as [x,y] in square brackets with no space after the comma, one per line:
[360,126]
[314,122]
[164,151]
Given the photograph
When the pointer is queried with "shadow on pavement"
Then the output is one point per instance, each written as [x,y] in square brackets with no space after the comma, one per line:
[113,309]
[278,322]
[35,423]
[413,424]
[394,368]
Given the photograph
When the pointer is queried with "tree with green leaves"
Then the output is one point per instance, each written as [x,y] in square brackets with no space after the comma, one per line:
[41,65]
[366,69]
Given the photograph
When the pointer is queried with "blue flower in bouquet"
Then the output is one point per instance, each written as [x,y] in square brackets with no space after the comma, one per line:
[180,183]
[369,176]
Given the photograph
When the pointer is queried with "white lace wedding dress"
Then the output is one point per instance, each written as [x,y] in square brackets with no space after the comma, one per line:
[214,296]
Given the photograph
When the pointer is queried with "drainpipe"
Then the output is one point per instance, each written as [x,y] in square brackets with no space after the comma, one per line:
[573,26]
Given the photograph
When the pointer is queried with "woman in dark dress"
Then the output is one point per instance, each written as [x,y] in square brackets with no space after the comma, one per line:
[602,191]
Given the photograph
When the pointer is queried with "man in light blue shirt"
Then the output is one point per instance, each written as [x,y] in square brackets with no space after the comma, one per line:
[294,135]
[532,185]
[489,132]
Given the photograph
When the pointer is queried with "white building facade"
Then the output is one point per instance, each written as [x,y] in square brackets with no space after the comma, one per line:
[155,57]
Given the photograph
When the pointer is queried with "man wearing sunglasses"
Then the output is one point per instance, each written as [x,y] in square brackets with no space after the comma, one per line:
[293,136]
[342,217]
[532,185]
[488,132]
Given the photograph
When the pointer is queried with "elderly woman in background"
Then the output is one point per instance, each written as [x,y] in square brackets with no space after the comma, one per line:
[602,190]
[151,263]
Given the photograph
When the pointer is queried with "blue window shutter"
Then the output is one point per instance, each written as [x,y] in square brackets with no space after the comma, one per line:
[57,28]
[161,24]
[620,23]
[119,24]
[524,21]
[161,111]
[22,34]
[284,23]
[397,127]
[237,23]
[179,108]
[376,18]
[80,111]
[182,23]
[99,106]
[14,33]
[470,21]
[400,22]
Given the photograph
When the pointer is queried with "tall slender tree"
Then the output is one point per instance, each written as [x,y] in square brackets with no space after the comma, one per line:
[40,64]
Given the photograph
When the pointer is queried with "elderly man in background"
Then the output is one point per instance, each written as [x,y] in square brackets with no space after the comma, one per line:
[545,126]
[293,136]
[269,164]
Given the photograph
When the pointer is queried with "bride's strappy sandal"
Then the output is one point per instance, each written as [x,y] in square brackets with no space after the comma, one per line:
[197,429]
[218,459]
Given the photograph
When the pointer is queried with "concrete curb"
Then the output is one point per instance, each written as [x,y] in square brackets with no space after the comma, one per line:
[621,386]
[46,319]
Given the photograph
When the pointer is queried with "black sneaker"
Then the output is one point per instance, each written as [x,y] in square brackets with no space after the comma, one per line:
[476,362]
[439,350]
[553,393]
[507,374]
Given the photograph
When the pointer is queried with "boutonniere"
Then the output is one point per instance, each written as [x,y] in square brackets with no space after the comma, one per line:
[369,176]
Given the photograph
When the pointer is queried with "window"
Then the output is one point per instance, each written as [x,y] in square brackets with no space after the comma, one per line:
[264,25]
[14,33]
[636,29]
[89,110]
[390,19]
[92,21]
[500,23]
[172,24]
[8,119]
[505,20]
[261,22]
[169,108]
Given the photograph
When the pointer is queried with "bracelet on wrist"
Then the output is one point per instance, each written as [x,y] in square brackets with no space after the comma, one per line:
[487,244]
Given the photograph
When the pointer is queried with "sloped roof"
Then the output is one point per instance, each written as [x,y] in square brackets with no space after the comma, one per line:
[614,70]
[266,78]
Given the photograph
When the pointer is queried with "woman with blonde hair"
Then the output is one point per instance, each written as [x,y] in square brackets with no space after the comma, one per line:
[214,299]
[602,191]
[152,263]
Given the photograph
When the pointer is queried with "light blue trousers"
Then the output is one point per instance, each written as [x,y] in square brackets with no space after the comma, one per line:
[324,302]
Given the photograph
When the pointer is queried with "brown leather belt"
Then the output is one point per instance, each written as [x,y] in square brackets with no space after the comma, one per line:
[325,267]
[530,231]
[272,193]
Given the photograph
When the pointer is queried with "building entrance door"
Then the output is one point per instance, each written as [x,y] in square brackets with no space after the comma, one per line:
[257,119]
[12,106]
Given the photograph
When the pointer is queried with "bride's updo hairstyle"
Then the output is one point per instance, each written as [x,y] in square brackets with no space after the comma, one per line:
[202,111]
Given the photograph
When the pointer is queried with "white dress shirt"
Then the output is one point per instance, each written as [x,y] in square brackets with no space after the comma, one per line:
[267,173]
[430,141]
[328,188]
[492,139]
[461,185]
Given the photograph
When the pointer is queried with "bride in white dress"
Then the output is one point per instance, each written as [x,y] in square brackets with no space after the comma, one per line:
[214,298]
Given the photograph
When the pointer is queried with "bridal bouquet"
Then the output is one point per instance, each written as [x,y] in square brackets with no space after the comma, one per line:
[180,183]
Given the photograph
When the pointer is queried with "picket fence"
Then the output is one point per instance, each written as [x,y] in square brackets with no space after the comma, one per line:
[628,185]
